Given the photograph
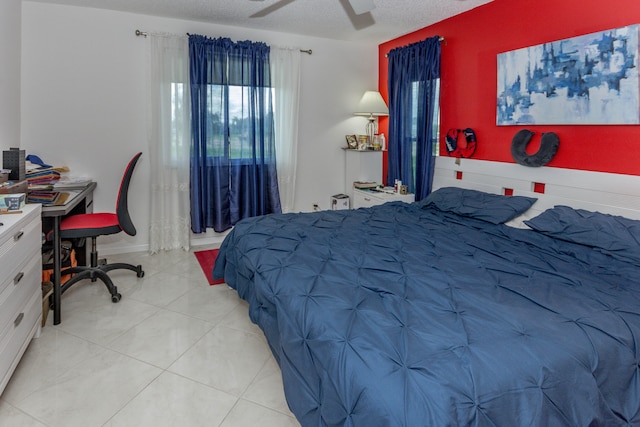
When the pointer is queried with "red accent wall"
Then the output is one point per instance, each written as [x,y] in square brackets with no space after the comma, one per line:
[469,83]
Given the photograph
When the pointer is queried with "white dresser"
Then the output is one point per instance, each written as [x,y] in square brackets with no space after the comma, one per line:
[20,286]
[367,198]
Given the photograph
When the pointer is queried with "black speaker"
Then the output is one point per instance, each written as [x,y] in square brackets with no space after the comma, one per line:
[14,159]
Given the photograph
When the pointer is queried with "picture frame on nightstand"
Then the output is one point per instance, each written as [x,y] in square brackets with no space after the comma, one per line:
[352,141]
[363,142]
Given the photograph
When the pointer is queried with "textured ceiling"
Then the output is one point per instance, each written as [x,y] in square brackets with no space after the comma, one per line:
[332,19]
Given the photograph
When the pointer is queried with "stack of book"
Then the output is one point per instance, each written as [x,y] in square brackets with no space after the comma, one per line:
[44,197]
[41,179]
[71,183]
[361,184]
[49,187]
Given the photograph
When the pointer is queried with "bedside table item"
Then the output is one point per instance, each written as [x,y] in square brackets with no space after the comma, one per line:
[339,202]
[367,198]
[365,185]
[372,105]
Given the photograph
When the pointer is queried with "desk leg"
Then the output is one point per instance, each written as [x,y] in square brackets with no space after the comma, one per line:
[57,295]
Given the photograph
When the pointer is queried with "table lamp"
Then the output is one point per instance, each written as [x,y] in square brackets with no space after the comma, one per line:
[372,105]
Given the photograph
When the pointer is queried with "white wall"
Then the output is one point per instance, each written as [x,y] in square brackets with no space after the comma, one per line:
[84,94]
[9,74]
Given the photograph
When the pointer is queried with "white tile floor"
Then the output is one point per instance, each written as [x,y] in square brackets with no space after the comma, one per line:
[173,352]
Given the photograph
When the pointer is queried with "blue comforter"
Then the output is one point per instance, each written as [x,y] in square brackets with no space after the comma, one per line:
[403,316]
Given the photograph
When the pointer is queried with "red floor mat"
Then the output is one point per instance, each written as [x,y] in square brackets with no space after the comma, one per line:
[207,259]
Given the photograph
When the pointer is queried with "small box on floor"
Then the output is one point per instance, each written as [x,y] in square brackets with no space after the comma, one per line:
[339,202]
[12,202]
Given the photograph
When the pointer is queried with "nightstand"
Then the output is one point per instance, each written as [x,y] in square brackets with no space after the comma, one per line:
[365,166]
[368,198]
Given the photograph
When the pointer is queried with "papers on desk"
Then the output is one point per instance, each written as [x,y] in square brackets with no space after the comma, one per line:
[70,182]
[66,196]
[44,197]
[52,198]
[52,179]
[57,191]
[52,186]
[62,184]
[42,177]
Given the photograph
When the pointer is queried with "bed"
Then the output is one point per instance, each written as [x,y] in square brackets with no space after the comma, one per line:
[450,311]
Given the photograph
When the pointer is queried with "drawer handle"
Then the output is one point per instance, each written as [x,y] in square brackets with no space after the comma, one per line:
[18,236]
[366,199]
[18,320]
[18,277]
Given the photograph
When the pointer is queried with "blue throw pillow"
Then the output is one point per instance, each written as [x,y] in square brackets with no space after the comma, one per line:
[493,208]
[615,234]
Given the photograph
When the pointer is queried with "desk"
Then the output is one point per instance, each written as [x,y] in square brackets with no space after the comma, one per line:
[81,203]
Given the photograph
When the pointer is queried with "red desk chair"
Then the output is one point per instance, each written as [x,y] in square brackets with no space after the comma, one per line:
[99,224]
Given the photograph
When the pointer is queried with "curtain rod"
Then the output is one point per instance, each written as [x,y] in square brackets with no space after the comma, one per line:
[440,39]
[144,34]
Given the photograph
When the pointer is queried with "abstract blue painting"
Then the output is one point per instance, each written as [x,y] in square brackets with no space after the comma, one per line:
[590,79]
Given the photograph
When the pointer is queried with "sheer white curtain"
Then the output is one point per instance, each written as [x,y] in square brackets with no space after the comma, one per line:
[285,78]
[168,130]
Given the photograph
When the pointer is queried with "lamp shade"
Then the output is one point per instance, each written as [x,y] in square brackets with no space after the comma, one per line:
[372,104]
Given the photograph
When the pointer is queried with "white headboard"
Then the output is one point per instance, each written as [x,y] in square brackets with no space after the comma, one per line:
[610,193]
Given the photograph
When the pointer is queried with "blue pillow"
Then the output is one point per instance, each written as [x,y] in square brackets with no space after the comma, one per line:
[615,234]
[493,208]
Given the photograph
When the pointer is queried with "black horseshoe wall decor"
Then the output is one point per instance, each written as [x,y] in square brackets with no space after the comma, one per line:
[548,148]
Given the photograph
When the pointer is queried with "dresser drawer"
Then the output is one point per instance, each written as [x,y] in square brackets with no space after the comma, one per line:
[16,336]
[361,200]
[18,288]
[19,242]
[366,199]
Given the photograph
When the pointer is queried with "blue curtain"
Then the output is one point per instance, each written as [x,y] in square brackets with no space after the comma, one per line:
[413,79]
[233,162]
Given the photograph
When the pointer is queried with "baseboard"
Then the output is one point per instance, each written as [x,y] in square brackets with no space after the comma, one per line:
[116,250]
[212,240]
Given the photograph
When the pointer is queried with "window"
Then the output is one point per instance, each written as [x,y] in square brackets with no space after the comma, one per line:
[233,164]
[229,127]
[435,134]
[417,121]
[178,137]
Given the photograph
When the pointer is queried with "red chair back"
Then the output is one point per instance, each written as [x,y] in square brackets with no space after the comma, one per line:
[122,208]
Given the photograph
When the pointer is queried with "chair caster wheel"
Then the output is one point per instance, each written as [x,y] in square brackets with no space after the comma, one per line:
[140,273]
[115,298]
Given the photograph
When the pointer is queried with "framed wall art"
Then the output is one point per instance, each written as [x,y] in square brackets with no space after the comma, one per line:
[589,79]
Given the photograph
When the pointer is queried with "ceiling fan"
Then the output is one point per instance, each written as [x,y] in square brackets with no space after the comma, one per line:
[359,7]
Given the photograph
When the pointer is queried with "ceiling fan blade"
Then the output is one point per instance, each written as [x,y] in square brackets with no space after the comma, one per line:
[362,6]
[359,22]
[270,9]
